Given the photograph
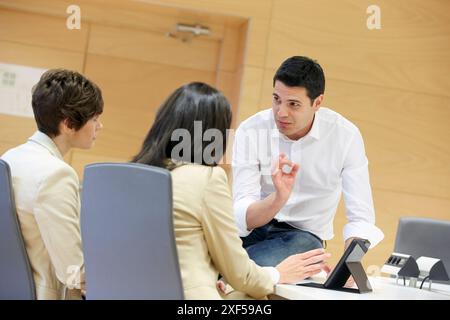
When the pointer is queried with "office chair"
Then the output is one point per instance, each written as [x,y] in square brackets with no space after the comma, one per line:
[127,233]
[424,237]
[16,278]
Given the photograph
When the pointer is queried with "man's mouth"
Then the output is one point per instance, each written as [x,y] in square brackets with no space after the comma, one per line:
[283,123]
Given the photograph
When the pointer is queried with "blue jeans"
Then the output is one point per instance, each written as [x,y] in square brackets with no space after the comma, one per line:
[272,243]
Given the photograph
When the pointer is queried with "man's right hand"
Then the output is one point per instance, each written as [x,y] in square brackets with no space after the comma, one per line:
[301,266]
[282,181]
[261,212]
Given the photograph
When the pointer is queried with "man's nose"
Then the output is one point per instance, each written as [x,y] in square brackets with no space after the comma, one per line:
[282,111]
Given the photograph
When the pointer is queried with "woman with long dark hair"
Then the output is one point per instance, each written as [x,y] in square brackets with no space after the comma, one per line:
[188,137]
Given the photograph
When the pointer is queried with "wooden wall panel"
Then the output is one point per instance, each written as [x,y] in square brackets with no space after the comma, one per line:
[229,84]
[79,159]
[231,63]
[136,66]
[231,49]
[252,78]
[146,46]
[410,51]
[14,131]
[133,91]
[407,136]
[40,57]
[130,13]
[259,12]
[42,31]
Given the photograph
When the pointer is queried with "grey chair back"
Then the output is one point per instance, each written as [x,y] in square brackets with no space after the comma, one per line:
[127,233]
[16,278]
[424,237]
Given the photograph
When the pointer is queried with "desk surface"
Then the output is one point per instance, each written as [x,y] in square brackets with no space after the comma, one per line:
[383,289]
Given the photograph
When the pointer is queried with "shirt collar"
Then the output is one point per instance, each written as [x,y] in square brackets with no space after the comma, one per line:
[45,141]
[315,129]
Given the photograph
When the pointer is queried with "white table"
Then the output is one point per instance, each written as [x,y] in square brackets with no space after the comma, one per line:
[383,289]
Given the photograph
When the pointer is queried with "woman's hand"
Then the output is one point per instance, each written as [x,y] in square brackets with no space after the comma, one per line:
[301,266]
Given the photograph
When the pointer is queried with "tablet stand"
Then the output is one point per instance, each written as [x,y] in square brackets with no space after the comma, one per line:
[359,275]
[348,265]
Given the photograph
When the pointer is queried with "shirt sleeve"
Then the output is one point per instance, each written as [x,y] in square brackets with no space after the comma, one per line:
[274,274]
[358,195]
[246,177]
[57,215]
[224,244]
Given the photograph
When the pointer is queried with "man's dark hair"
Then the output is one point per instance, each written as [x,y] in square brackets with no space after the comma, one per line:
[193,102]
[63,94]
[304,72]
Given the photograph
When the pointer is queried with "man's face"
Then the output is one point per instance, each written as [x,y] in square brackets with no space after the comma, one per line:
[293,110]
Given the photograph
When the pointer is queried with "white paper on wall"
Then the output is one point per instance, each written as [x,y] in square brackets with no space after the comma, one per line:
[16,83]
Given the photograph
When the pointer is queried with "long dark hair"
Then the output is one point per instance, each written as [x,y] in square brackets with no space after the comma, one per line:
[188,104]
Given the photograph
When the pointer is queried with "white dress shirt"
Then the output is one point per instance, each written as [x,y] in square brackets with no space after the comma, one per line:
[332,161]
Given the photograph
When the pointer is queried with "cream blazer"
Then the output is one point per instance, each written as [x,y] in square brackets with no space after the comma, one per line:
[207,237]
[46,192]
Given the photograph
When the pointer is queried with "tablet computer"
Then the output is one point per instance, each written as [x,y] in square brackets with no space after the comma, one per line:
[348,265]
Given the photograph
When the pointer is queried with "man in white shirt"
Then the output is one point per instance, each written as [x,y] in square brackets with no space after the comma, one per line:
[290,165]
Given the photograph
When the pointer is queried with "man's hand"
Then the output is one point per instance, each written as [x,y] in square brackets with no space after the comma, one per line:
[261,212]
[284,181]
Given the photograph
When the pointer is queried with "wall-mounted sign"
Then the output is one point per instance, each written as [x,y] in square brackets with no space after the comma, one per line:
[16,83]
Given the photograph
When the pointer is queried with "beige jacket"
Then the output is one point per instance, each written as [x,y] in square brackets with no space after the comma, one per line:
[207,237]
[46,191]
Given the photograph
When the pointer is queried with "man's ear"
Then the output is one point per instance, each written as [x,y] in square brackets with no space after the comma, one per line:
[317,102]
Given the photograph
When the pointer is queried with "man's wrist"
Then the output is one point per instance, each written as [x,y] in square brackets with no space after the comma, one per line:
[348,241]
[278,200]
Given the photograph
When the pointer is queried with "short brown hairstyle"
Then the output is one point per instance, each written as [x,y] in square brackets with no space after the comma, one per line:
[63,94]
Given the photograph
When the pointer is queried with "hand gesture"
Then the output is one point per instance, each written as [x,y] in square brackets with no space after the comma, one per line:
[283,177]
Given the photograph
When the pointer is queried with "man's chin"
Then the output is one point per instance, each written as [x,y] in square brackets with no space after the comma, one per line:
[284,131]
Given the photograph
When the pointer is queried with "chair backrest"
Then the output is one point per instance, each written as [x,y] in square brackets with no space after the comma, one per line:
[127,233]
[16,278]
[424,237]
